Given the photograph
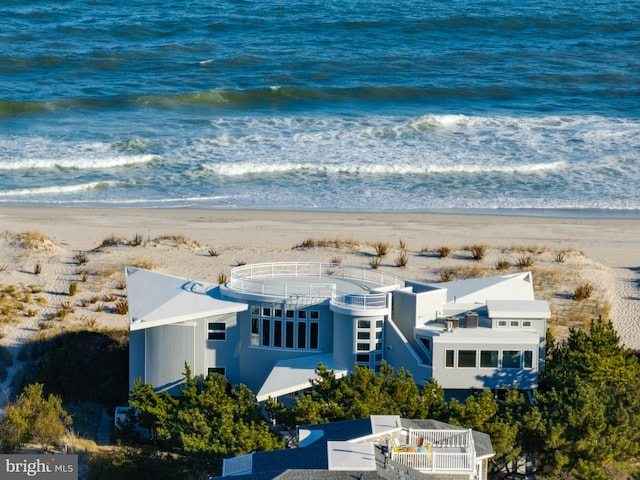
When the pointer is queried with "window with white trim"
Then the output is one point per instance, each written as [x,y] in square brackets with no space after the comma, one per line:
[217,331]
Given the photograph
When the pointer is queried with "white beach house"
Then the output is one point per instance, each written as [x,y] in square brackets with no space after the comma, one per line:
[271,324]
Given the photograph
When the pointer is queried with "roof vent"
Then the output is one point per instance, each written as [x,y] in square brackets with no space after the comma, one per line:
[471,320]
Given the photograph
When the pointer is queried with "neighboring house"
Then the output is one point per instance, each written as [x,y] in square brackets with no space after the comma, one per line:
[271,324]
[379,447]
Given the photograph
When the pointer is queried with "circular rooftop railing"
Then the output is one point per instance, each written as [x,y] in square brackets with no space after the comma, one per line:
[279,279]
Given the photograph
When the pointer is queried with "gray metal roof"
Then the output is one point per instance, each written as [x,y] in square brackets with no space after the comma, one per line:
[159,299]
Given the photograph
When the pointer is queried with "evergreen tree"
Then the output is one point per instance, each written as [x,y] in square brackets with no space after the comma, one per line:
[33,418]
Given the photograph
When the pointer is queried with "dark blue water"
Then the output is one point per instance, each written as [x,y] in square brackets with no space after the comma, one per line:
[336,105]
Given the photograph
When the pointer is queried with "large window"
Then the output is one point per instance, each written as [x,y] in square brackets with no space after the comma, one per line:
[466,358]
[289,329]
[217,331]
[511,359]
[488,358]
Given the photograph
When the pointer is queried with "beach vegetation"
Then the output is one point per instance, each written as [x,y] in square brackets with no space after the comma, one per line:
[88,322]
[143,263]
[100,308]
[583,291]
[444,251]
[177,240]
[109,297]
[402,245]
[64,309]
[82,258]
[402,259]
[113,241]
[213,252]
[524,261]
[241,263]
[336,260]
[560,256]
[222,278]
[37,269]
[73,289]
[374,262]
[4,268]
[34,240]
[478,252]
[446,275]
[137,240]
[502,264]
[381,248]
[121,307]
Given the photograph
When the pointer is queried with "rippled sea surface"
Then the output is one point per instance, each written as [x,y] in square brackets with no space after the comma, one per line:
[375,105]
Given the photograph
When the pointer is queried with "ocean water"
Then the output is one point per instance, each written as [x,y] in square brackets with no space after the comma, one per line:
[505,106]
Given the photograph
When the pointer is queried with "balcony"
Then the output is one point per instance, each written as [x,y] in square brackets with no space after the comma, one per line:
[443,451]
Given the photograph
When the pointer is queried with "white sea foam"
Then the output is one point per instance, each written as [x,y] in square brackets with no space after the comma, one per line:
[55,190]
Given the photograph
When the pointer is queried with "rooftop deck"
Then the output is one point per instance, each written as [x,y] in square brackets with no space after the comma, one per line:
[352,286]
[435,450]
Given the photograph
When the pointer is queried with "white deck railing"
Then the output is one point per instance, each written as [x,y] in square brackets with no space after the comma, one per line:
[259,279]
[447,451]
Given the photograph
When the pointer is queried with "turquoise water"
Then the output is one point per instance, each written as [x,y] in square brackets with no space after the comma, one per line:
[403,105]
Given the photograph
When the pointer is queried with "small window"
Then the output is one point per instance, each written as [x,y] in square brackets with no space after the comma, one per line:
[378,357]
[379,346]
[502,323]
[362,358]
[511,359]
[379,335]
[217,331]
[466,358]
[426,342]
[290,313]
[364,324]
[302,314]
[379,323]
[528,359]
[277,312]
[255,310]
[364,335]
[488,358]
[526,323]
[449,358]
[314,314]
[266,312]
[514,323]
[363,347]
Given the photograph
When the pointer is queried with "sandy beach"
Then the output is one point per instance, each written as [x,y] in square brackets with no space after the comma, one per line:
[203,244]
